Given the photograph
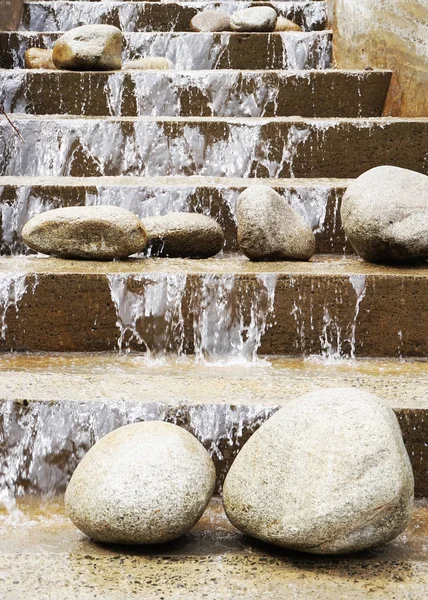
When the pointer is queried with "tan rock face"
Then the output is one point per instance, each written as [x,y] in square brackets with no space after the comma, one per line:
[269,229]
[89,48]
[385,215]
[328,473]
[90,232]
[210,20]
[283,24]
[144,483]
[386,34]
[256,18]
[148,63]
[38,58]
[185,235]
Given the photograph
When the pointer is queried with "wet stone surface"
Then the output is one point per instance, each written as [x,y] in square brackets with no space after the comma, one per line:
[41,551]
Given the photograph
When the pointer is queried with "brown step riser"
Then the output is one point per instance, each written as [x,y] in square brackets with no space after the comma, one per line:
[215,93]
[168,16]
[295,51]
[47,441]
[214,315]
[249,148]
[320,206]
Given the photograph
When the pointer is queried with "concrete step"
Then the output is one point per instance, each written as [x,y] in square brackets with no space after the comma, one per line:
[22,197]
[214,561]
[54,407]
[219,308]
[196,93]
[297,51]
[227,147]
[154,16]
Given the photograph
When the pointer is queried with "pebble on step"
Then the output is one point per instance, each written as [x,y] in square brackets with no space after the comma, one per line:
[144,483]
[283,24]
[89,48]
[89,232]
[183,235]
[270,229]
[210,20]
[38,58]
[148,63]
[256,18]
[385,215]
[327,474]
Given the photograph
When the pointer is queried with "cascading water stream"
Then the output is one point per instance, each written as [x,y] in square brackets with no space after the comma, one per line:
[13,287]
[219,318]
[42,443]
[157,148]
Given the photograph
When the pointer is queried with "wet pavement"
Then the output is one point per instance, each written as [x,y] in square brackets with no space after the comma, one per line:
[43,556]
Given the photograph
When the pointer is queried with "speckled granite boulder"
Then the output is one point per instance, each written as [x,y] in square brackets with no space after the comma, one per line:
[210,20]
[270,229]
[148,63]
[255,18]
[283,24]
[328,473]
[90,232]
[89,48]
[385,215]
[144,483]
[185,235]
[38,58]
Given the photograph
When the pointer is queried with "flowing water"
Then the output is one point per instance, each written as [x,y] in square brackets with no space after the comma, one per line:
[41,444]
[147,147]
[229,317]
[61,16]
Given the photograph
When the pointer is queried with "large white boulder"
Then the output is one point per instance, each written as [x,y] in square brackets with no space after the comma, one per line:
[184,235]
[91,232]
[144,483]
[385,215]
[328,473]
[270,229]
[89,48]
[254,18]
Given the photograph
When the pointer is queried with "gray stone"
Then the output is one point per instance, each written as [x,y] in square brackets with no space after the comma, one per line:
[148,63]
[283,24]
[328,473]
[269,229]
[89,48]
[144,483]
[38,58]
[91,232]
[210,20]
[385,215]
[255,18]
[185,235]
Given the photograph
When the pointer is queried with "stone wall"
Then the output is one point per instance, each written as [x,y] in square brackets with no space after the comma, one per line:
[10,14]
[386,34]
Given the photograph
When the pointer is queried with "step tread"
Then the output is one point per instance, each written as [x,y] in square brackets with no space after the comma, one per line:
[103,377]
[317,121]
[200,181]
[213,561]
[318,266]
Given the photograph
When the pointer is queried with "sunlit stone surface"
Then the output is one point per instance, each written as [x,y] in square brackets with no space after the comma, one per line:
[145,483]
[328,474]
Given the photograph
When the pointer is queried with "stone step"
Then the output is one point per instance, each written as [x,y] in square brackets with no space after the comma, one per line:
[219,93]
[190,51]
[54,407]
[154,16]
[227,147]
[217,308]
[21,198]
[214,561]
